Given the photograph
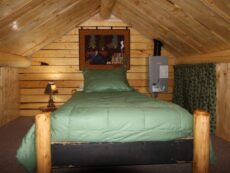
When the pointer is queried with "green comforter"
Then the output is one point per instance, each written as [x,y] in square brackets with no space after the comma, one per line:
[111,117]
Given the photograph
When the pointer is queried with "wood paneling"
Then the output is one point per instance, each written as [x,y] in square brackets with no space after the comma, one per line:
[106,8]
[216,57]
[222,7]
[186,27]
[223,106]
[42,23]
[207,17]
[62,59]
[11,6]
[9,95]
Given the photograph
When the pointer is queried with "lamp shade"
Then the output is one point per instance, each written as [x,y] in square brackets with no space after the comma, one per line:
[51,88]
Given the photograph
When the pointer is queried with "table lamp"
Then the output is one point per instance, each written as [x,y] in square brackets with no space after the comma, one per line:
[51,89]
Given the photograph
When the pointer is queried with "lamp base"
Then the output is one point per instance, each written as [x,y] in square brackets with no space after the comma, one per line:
[51,103]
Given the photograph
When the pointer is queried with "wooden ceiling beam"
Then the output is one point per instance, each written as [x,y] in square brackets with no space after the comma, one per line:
[215,57]
[11,60]
[106,8]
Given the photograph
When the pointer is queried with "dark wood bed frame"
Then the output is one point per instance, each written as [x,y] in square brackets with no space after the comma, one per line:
[66,154]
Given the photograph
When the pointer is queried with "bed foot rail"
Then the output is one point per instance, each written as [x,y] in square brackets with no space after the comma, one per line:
[43,142]
[201,132]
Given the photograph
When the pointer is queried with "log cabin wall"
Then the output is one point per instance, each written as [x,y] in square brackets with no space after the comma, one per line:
[9,95]
[59,61]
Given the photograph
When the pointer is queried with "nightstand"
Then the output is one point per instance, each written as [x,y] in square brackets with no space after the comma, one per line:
[48,109]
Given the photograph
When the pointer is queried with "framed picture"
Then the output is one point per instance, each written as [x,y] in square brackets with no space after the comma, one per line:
[104,48]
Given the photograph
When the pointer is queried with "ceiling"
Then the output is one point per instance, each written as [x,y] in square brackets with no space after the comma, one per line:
[186,27]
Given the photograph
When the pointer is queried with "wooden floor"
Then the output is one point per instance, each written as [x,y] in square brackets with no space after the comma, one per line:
[12,133]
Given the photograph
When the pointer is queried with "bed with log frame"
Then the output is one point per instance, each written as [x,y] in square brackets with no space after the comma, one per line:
[194,149]
[111,124]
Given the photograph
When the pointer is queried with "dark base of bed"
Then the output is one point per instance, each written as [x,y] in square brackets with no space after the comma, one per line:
[121,154]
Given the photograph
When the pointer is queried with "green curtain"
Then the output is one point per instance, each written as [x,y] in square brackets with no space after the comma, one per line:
[195,87]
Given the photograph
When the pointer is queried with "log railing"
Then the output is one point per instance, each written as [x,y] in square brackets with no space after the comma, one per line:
[201,142]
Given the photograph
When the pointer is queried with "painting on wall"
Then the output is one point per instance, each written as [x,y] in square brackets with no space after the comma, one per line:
[104,48]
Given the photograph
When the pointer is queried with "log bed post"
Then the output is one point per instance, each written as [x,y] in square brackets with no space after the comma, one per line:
[201,135]
[43,143]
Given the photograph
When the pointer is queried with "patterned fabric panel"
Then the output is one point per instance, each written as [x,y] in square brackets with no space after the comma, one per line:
[195,87]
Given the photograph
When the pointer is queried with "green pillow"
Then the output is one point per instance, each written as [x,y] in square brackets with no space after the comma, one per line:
[106,80]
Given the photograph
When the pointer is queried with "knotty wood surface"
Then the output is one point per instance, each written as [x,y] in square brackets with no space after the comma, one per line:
[223,106]
[9,95]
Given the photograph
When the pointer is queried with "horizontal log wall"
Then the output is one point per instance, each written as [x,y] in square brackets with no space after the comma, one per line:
[62,57]
[9,95]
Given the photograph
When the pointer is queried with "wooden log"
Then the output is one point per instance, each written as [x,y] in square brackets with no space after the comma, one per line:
[214,57]
[222,101]
[201,141]
[106,8]
[43,98]
[12,60]
[43,143]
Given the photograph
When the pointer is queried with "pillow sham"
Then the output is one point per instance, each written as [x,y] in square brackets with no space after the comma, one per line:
[100,80]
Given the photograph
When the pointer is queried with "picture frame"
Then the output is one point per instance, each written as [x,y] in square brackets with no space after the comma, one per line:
[104,48]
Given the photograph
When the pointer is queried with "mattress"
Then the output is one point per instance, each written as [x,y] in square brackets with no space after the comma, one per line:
[111,117]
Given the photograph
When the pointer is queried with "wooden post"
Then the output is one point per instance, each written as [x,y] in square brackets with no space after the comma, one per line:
[43,143]
[106,8]
[12,60]
[201,132]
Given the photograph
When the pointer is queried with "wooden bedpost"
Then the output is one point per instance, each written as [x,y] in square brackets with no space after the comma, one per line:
[43,143]
[201,133]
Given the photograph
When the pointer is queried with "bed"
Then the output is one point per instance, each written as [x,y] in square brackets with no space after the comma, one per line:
[109,116]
